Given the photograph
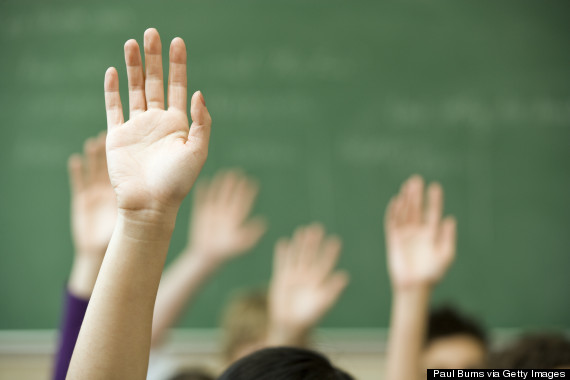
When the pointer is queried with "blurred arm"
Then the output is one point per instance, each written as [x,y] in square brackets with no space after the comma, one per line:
[219,231]
[420,248]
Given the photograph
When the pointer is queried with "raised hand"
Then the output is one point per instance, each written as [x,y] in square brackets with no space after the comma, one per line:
[93,201]
[154,158]
[304,285]
[219,225]
[219,230]
[93,214]
[421,245]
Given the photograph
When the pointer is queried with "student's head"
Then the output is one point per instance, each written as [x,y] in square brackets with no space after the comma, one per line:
[540,351]
[284,363]
[244,325]
[193,374]
[453,341]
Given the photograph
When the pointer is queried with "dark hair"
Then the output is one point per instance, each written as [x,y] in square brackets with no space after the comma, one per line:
[539,351]
[192,374]
[448,321]
[284,363]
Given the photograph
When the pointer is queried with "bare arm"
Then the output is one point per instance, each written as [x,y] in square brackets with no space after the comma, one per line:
[420,246]
[219,231]
[146,157]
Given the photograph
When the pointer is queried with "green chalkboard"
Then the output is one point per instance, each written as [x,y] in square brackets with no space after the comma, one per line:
[331,105]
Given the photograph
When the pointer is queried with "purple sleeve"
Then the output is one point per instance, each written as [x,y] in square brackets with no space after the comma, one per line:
[69,330]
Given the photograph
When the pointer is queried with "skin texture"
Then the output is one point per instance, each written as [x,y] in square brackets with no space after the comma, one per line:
[420,248]
[220,230]
[456,351]
[304,285]
[93,214]
[153,160]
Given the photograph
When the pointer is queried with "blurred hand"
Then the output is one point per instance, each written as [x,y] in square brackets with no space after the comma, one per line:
[154,158]
[93,201]
[420,245]
[219,225]
[304,285]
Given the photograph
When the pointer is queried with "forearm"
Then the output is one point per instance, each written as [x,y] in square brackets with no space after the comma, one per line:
[407,331]
[178,286]
[114,341]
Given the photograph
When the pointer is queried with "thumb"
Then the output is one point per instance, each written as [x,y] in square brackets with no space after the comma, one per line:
[201,121]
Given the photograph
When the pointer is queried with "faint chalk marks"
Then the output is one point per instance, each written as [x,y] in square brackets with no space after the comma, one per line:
[65,20]
[28,153]
[264,153]
[401,154]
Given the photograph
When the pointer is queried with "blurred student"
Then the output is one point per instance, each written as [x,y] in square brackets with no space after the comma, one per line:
[304,286]
[420,248]
[93,216]
[220,230]
[453,340]
[535,351]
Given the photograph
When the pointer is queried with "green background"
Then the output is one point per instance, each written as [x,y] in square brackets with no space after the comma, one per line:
[331,105]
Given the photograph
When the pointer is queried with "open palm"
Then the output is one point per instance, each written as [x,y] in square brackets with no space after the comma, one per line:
[304,285]
[221,227]
[154,158]
[421,245]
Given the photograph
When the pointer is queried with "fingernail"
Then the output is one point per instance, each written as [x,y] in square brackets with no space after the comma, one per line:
[202,98]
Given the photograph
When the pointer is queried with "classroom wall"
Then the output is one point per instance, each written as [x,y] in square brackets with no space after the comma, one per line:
[331,105]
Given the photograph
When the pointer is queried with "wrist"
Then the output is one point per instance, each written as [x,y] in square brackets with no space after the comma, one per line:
[147,225]
[412,290]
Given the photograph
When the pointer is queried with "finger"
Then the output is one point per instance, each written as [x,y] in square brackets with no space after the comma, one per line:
[137,100]
[103,146]
[113,105]
[434,206]
[416,194]
[448,238]
[225,191]
[199,135]
[154,86]
[90,152]
[329,256]
[310,251]
[177,80]
[252,231]
[296,246]
[244,197]
[399,214]
[280,258]
[405,204]
[98,166]
[334,286]
[75,170]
